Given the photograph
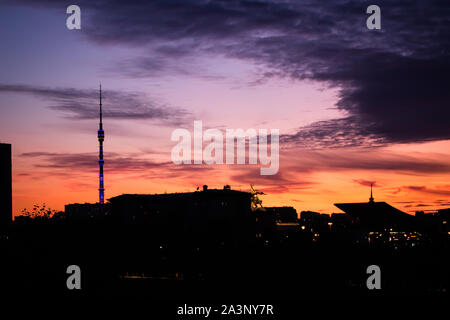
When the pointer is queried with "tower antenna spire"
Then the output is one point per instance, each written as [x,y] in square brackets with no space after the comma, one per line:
[101,162]
[371,194]
[101,114]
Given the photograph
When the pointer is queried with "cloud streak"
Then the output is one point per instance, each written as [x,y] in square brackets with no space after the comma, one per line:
[114,163]
[379,159]
[82,104]
[424,189]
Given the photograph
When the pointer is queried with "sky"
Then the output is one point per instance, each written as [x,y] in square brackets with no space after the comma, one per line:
[354,106]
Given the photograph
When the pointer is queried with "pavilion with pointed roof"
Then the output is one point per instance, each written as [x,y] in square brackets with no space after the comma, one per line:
[374,214]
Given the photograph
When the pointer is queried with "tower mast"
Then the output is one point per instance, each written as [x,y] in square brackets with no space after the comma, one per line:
[101,138]
[371,195]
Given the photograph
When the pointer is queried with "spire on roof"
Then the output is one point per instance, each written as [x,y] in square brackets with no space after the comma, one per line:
[371,194]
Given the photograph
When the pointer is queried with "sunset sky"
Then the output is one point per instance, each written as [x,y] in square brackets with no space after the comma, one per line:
[353,105]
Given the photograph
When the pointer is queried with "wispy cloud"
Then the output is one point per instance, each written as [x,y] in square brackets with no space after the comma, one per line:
[83,104]
[379,159]
[366,183]
[424,189]
[115,163]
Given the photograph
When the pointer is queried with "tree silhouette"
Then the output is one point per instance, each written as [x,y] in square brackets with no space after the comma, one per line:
[39,212]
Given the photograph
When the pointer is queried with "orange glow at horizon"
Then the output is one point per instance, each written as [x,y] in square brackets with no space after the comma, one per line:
[312,181]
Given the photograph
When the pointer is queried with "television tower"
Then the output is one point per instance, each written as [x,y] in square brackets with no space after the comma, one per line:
[101,138]
[371,194]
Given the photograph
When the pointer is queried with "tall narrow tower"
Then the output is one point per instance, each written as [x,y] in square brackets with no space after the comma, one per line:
[371,194]
[101,138]
[5,188]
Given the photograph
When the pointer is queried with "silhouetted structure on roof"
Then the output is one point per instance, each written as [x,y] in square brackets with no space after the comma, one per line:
[376,214]
[5,186]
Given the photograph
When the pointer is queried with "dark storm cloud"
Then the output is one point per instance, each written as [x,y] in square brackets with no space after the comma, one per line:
[345,132]
[393,82]
[83,104]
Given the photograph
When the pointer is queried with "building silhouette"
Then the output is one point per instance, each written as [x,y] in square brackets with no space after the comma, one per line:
[378,215]
[86,211]
[5,186]
[219,215]
[283,214]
